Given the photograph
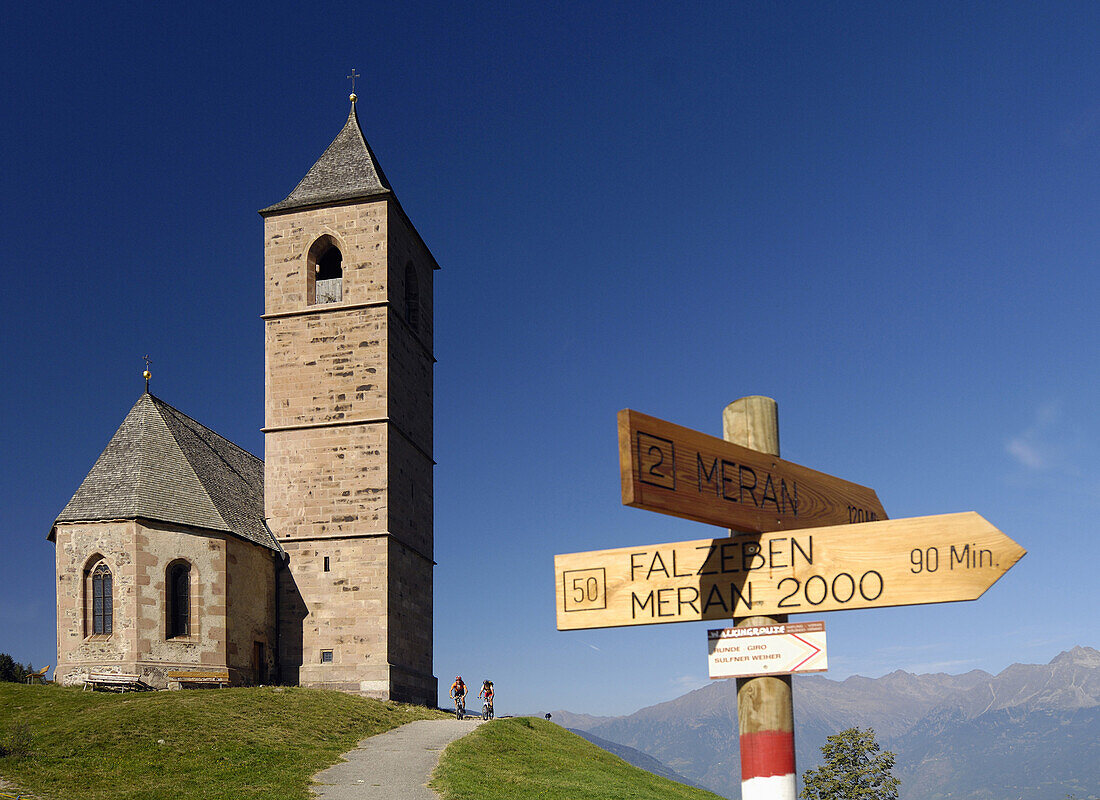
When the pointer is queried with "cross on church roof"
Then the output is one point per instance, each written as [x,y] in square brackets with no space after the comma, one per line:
[147,374]
[352,77]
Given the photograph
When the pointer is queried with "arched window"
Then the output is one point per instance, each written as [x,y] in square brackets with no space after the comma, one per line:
[325,278]
[103,612]
[178,605]
[412,297]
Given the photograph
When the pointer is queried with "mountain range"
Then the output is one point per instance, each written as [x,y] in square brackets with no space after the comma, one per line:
[1031,732]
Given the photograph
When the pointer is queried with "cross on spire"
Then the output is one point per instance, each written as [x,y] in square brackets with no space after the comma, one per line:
[147,374]
[352,77]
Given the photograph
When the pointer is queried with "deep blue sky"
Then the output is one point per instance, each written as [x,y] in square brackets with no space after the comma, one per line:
[886,216]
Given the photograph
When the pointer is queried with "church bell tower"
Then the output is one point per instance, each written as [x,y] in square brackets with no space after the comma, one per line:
[348,428]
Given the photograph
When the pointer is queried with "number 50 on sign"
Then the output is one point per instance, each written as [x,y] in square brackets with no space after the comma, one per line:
[584,589]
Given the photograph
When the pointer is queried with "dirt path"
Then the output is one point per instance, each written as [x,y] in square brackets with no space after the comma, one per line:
[394,765]
[7,787]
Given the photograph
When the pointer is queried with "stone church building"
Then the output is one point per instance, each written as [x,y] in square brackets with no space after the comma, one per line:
[181,553]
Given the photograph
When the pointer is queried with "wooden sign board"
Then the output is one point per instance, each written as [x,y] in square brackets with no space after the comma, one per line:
[889,563]
[781,649]
[678,471]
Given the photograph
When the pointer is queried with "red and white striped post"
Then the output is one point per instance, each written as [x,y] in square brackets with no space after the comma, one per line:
[765,708]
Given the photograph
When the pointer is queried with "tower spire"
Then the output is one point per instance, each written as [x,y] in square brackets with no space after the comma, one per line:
[346,170]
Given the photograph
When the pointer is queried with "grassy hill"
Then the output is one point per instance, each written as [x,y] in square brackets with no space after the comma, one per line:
[64,744]
[202,745]
[516,759]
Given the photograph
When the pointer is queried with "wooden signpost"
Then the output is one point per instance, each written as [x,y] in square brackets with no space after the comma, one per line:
[897,562]
[679,471]
[812,543]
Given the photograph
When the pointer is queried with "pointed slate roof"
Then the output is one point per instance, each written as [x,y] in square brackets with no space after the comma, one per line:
[347,170]
[162,465]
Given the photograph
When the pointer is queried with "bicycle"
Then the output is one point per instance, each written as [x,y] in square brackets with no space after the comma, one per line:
[487,709]
[460,707]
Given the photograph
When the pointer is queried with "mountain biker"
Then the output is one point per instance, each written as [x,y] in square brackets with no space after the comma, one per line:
[486,694]
[458,690]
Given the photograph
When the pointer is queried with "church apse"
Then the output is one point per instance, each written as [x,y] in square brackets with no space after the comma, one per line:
[175,513]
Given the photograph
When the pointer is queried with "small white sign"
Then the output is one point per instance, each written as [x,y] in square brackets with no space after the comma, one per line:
[779,649]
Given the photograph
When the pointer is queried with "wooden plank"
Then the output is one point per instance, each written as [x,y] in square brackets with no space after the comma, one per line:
[199,677]
[113,681]
[898,562]
[685,473]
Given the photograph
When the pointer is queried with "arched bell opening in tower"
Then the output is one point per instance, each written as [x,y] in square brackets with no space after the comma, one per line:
[326,271]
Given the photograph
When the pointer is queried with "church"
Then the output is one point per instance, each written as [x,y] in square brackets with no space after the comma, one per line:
[182,554]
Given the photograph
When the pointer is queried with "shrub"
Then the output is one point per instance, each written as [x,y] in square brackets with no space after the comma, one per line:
[855,768]
[12,671]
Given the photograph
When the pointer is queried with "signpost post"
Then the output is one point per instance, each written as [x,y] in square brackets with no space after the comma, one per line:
[765,704]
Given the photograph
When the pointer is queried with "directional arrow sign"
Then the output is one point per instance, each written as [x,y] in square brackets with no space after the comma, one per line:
[889,563]
[678,471]
[780,649]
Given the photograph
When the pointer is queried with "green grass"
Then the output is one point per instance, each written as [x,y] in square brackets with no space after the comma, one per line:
[253,743]
[522,758]
[224,743]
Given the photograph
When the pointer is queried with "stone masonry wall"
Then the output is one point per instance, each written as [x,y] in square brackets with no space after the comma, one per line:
[343,610]
[409,508]
[410,468]
[158,546]
[409,387]
[335,489]
[326,481]
[250,609]
[326,367]
[77,547]
[409,351]
[139,554]
[410,612]
[405,246]
[360,230]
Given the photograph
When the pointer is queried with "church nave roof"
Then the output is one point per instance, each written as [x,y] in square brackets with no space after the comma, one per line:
[162,465]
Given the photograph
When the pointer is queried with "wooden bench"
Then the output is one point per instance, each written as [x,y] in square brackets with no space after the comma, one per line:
[40,676]
[115,682]
[196,678]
